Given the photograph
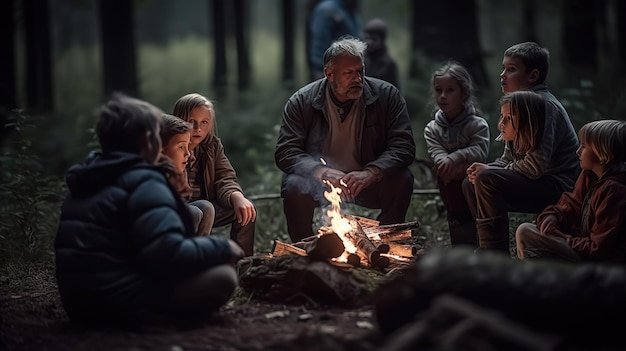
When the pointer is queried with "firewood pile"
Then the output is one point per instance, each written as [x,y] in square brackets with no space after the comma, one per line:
[367,244]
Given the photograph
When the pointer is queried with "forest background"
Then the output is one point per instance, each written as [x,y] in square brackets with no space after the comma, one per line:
[59,62]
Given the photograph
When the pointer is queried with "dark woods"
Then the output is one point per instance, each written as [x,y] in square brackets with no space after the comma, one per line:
[592,37]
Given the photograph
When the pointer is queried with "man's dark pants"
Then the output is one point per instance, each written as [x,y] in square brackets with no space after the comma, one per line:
[302,195]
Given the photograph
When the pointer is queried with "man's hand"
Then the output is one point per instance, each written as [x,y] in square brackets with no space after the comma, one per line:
[244,209]
[356,181]
[333,176]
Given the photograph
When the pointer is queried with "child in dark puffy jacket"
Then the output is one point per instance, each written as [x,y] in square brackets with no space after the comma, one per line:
[589,223]
[126,253]
[175,137]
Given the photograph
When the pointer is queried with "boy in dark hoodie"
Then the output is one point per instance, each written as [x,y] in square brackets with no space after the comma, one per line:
[589,223]
[125,248]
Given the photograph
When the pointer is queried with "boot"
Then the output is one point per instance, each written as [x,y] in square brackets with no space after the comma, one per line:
[493,234]
[462,233]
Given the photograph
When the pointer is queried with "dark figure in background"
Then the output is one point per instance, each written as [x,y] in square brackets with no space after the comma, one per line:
[328,20]
[378,63]
[360,126]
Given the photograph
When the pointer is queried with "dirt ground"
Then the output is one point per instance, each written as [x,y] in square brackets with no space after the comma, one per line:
[32,318]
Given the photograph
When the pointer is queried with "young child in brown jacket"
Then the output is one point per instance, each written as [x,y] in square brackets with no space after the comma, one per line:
[211,175]
[589,223]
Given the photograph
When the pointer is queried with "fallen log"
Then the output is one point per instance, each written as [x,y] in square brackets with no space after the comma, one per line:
[582,302]
[301,280]
[452,323]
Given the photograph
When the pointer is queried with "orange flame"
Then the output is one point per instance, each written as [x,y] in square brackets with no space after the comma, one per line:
[339,224]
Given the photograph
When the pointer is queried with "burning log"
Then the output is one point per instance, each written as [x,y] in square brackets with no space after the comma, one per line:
[364,246]
[392,232]
[363,221]
[354,260]
[282,249]
[386,232]
[387,236]
[382,247]
[399,226]
[327,245]
[402,250]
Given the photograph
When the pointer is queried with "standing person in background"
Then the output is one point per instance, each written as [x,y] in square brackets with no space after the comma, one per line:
[125,249]
[175,136]
[211,175]
[378,63]
[538,178]
[328,21]
[456,138]
[589,223]
[360,126]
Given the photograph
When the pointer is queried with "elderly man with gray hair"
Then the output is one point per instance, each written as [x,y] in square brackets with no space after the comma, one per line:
[350,130]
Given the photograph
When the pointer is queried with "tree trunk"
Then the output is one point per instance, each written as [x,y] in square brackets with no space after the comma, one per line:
[530,31]
[8,91]
[219,40]
[456,38]
[118,47]
[579,37]
[288,43]
[243,61]
[38,57]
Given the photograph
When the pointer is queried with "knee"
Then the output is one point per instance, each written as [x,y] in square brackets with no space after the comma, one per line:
[196,213]
[224,281]
[489,179]
[524,230]
[205,206]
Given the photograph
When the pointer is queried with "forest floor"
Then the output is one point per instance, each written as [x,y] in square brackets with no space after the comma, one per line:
[32,318]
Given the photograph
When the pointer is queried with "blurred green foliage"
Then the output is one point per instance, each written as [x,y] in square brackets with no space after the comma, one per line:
[30,197]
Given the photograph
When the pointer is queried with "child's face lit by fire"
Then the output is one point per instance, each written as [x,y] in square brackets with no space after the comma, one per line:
[202,119]
[178,150]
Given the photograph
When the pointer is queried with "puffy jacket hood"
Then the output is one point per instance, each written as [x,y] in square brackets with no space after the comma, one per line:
[99,171]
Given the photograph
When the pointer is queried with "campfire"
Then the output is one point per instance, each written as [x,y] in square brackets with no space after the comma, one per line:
[353,240]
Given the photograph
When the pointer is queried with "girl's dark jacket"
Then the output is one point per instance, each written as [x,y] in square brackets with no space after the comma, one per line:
[595,212]
[386,139]
[124,238]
